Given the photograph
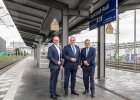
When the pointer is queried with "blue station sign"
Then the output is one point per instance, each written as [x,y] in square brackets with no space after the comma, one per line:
[105,14]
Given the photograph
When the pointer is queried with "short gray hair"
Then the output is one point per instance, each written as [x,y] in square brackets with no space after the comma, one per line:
[87,40]
[72,37]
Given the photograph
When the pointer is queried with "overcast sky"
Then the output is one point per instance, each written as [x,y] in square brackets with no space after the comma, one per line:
[126,30]
[7,32]
[11,34]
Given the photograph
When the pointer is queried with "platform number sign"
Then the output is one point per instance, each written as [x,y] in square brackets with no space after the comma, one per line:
[99,19]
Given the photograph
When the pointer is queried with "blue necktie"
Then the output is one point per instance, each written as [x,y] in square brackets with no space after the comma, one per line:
[73,50]
[87,49]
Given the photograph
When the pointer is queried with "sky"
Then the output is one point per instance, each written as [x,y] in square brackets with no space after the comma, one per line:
[126,29]
[8,30]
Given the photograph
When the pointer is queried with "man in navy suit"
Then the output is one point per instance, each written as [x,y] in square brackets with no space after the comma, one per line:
[71,56]
[88,55]
[54,55]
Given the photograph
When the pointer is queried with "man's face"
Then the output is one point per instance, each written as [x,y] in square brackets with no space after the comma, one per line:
[87,44]
[72,41]
[56,40]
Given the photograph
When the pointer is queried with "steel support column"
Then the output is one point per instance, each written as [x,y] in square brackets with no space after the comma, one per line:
[64,35]
[38,52]
[135,61]
[117,45]
[101,52]
[35,53]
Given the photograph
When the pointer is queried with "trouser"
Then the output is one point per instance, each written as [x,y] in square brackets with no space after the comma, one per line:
[53,80]
[88,73]
[68,72]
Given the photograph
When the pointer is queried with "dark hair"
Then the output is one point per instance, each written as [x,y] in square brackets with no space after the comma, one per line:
[54,37]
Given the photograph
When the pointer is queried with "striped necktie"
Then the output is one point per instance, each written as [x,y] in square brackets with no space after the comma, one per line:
[73,50]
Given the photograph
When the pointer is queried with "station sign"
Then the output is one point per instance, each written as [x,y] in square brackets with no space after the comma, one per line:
[105,14]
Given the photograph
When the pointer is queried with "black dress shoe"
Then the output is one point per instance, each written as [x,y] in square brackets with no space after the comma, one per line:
[57,95]
[53,96]
[92,96]
[74,93]
[85,92]
[66,94]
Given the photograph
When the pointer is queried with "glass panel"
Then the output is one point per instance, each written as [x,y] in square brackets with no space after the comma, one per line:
[126,43]
[138,38]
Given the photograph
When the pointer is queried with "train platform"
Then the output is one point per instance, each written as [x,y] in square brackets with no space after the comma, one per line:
[25,81]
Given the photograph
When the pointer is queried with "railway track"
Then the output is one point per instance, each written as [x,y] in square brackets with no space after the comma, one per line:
[123,65]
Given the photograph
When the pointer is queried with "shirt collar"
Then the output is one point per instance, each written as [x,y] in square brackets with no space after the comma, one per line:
[72,45]
[56,45]
[87,48]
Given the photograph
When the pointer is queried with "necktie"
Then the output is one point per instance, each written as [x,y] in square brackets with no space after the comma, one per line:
[87,49]
[73,50]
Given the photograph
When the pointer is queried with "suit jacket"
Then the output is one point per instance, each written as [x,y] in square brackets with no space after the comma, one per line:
[53,57]
[90,57]
[67,54]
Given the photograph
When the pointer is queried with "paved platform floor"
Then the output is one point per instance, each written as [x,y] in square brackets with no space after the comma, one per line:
[32,83]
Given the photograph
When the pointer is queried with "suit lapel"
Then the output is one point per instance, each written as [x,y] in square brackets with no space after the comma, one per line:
[55,49]
[85,52]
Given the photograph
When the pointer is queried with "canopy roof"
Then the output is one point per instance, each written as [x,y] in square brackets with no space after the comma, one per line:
[33,17]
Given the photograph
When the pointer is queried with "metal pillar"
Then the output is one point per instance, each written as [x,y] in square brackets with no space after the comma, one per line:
[65,31]
[35,53]
[38,55]
[117,45]
[135,61]
[101,52]
[64,35]
[38,51]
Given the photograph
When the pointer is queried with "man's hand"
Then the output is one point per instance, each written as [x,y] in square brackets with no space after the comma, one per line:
[73,59]
[86,63]
[79,66]
[61,67]
[59,63]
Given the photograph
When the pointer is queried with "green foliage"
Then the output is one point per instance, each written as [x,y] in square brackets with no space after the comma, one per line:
[5,60]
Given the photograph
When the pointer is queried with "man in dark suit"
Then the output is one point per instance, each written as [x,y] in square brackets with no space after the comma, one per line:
[88,55]
[71,56]
[54,55]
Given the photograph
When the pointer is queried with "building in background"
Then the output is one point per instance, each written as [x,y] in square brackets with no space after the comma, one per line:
[17,44]
[17,48]
[2,45]
[126,51]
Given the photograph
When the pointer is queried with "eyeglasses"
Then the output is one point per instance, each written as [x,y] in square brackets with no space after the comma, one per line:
[56,40]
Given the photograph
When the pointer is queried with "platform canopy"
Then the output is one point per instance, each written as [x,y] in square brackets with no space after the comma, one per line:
[34,17]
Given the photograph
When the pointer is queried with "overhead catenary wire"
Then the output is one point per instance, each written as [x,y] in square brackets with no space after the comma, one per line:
[7,21]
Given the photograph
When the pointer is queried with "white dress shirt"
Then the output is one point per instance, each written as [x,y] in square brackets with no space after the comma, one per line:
[58,50]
